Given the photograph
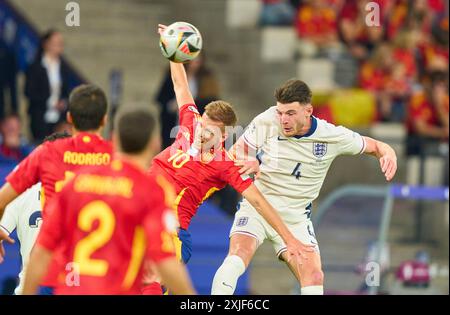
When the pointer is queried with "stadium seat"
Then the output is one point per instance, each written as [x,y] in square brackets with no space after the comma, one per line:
[278,44]
[319,73]
[243,13]
[393,134]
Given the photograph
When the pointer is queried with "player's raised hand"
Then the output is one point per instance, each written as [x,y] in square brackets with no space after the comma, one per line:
[388,164]
[4,237]
[248,167]
[161,28]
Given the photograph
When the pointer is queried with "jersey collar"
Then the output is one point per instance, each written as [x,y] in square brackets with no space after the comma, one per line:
[311,130]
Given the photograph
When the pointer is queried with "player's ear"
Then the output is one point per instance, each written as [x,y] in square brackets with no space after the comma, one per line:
[224,136]
[155,144]
[115,141]
[104,121]
[309,109]
[69,118]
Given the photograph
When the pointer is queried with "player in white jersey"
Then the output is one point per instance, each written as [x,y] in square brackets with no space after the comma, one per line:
[295,151]
[24,214]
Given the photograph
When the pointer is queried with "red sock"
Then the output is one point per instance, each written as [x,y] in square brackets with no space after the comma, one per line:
[153,288]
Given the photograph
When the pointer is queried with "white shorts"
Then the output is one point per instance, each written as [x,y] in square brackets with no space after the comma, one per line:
[248,222]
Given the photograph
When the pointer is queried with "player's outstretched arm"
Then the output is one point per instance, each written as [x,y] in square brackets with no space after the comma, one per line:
[37,267]
[257,200]
[179,79]
[385,154]
[7,194]
[175,276]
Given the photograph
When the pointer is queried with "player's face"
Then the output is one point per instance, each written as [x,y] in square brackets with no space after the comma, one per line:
[212,133]
[293,117]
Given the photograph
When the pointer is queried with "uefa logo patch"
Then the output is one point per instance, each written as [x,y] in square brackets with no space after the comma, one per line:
[193,109]
[242,221]
[319,149]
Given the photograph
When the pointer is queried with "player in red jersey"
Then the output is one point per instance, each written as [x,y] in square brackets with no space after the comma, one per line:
[106,222]
[198,165]
[54,163]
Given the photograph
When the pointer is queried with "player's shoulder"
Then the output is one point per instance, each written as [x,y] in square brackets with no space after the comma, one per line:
[267,117]
[326,129]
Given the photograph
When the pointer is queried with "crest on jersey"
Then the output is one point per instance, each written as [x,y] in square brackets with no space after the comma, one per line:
[242,221]
[319,149]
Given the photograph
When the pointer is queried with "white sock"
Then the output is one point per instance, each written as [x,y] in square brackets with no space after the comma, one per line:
[312,290]
[227,275]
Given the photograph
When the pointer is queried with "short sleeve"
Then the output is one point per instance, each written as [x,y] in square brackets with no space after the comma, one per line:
[350,142]
[27,173]
[257,132]
[189,116]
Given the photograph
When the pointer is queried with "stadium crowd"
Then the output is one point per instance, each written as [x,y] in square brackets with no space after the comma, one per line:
[403,61]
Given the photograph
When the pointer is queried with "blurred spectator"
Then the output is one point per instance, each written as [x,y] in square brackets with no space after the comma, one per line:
[46,86]
[204,88]
[277,13]
[428,111]
[8,79]
[433,48]
[316,26]
[361,38]
[12,147]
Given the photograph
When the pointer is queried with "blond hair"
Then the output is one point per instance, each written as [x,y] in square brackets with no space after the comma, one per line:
[221,111]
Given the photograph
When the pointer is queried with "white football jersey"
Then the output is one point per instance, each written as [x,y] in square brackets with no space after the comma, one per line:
[293,169]
[24,214]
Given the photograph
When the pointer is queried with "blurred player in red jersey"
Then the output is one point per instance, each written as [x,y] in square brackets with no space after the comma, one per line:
[54,163]
[198,165]
[106,222]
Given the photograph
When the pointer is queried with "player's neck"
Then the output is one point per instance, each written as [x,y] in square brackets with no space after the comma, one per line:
[138,161]
[306,128]
[76,132]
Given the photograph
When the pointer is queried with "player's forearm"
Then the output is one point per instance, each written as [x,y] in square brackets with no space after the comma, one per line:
[180,84]
[175,277]
[378,148]
[178,74]
[7,194]
[37,267]
[257,200]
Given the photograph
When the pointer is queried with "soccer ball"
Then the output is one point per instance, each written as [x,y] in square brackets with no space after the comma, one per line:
[181,42]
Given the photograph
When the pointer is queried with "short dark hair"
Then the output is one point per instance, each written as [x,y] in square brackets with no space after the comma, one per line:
[292,91]
[57,135]
[88,106]
[134,129]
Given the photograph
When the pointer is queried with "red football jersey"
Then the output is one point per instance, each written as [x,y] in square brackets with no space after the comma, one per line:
[105,223]
[195,180]
[54,163]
